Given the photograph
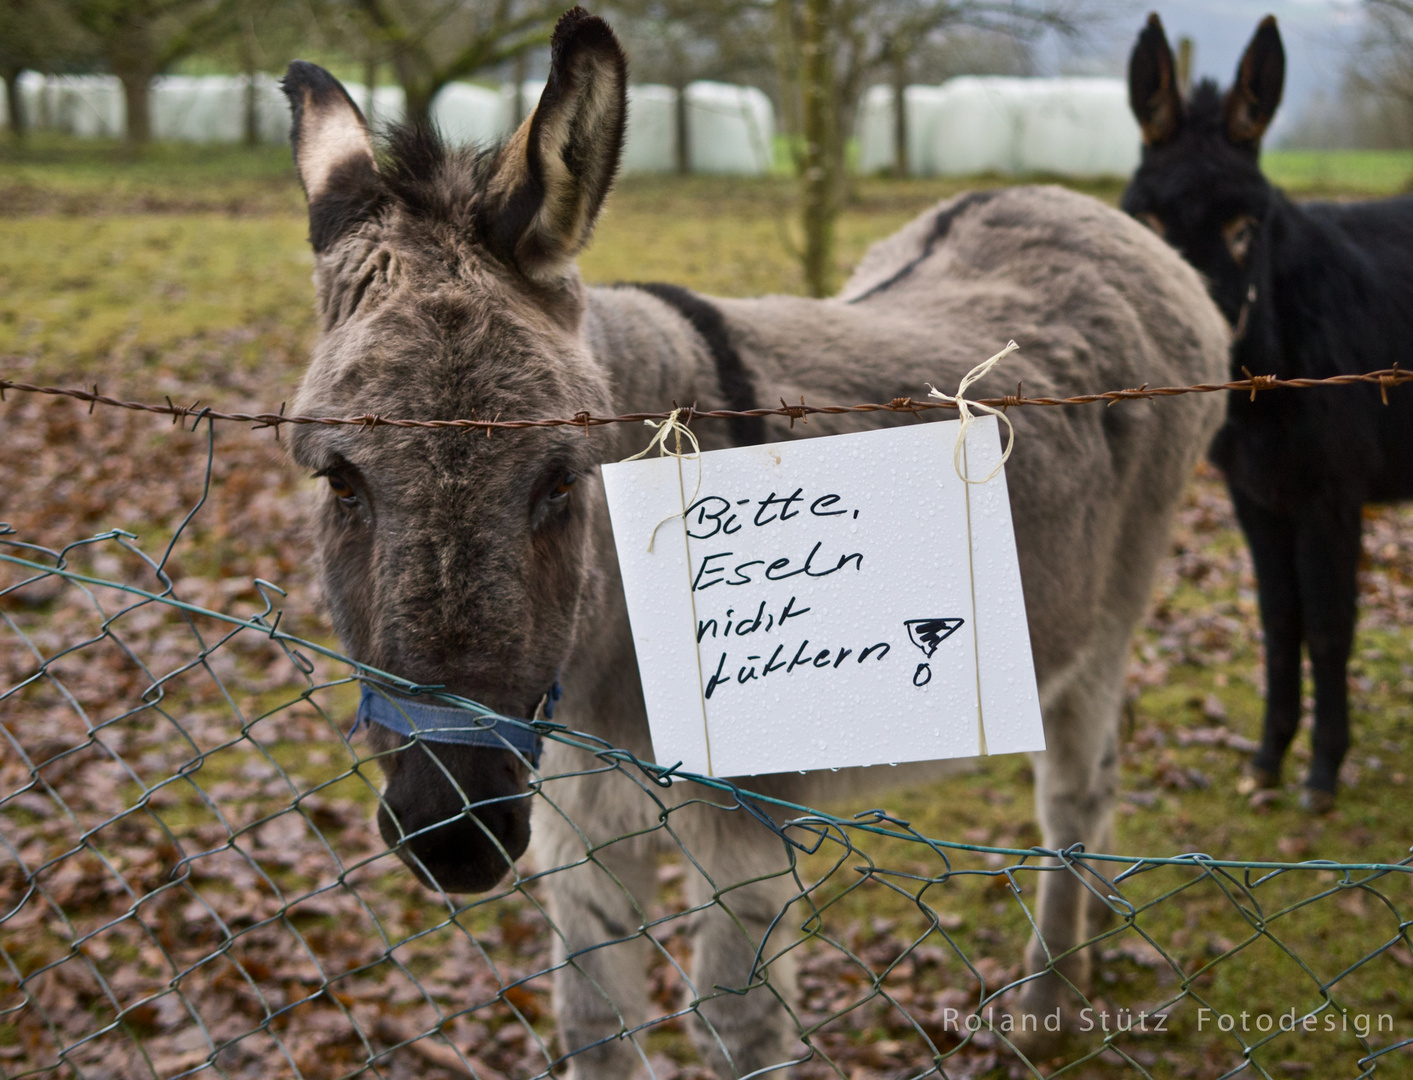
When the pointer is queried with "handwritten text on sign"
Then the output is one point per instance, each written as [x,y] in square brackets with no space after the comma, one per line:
[825,603]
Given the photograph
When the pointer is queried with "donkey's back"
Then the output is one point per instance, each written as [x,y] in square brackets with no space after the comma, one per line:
[1096,302]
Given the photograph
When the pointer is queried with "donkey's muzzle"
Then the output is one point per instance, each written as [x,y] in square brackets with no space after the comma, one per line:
[457,816]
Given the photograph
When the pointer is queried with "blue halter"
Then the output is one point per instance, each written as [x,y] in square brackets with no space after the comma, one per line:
[474,725]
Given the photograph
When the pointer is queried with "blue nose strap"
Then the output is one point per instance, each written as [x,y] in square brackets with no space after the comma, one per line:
[478,726]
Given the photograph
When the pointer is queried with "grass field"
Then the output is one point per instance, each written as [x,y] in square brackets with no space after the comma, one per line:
[186,273]
[1341,173]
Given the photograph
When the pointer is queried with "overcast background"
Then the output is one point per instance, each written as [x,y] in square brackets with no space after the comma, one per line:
[1318,34]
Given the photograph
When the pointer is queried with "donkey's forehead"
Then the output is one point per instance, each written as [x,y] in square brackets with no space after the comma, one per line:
[1199,170]
[461,350]
[438,347]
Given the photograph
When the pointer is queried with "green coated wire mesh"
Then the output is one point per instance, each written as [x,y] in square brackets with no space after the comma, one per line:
[190,886]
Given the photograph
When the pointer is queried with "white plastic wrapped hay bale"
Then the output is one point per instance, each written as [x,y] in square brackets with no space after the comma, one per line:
[650,144]
[211,109]
[530,91]
[875,128]
[203,109]
[975,126]
[1078,127]
[89,106]
[730,129]
[31,87]
[272,110]
[389,104]
[468,114]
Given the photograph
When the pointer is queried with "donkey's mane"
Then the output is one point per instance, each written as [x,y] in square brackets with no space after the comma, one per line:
[1205,114]
[429,178]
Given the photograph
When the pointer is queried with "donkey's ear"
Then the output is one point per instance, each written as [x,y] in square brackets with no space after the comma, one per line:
[549,181]
[1260,77]
[333,153]
[1152,85]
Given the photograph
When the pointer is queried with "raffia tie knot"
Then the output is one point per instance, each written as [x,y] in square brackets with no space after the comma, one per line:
[672,426]
[964,414]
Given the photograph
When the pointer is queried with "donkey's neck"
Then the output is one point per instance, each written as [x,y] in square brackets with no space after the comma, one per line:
[655,359]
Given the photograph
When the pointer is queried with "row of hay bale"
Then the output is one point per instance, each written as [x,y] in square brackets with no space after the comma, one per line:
[730,129]
[971,124]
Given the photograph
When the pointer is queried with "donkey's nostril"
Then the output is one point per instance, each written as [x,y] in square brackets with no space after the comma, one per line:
[457,837]
[468,853]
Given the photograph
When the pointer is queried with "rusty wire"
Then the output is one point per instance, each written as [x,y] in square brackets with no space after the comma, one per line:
[1383,379]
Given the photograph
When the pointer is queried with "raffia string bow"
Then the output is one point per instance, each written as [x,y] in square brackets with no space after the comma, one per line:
[964,413]
[672,426]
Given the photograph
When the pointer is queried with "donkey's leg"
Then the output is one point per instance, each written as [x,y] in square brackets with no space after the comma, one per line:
[1327,558]
[1272,539]
[600,956]
[742,883]
[1075,781]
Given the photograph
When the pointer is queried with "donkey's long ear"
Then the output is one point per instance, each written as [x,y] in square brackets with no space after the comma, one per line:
[1260,78]
[550,179]
[1152,85]
[333,153]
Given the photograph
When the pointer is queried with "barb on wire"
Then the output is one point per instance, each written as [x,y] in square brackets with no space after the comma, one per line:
[1383,379]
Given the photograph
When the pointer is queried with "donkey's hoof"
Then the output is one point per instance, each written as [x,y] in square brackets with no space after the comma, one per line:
[1254,778]
[1315,801]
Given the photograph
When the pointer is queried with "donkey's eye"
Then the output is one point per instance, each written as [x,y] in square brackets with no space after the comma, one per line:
[1238,233]
[1154,222]
[561,490]
[342,489]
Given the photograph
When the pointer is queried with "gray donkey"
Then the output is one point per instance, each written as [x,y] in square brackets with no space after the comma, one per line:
[446,287]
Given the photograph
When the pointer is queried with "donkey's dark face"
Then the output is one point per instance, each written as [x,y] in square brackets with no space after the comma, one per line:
[446,289]
[1200,185]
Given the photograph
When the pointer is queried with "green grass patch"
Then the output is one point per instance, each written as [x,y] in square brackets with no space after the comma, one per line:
[1368,173]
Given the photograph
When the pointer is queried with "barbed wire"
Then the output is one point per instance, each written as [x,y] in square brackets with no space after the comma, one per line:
[1384,379]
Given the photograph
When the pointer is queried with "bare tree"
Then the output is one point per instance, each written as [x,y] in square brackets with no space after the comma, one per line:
[140,39]
[433,42]
[1383,64]
[677,42]
[35,35]
[947,53]
[834,46]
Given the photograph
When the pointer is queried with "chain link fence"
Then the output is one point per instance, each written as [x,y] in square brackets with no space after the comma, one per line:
[191,886]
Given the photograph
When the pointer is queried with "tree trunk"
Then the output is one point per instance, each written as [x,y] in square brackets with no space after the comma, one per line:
[419,87]
[682,146]
[15,105]
[133,58]
[138,115]
[518,110]
[787,70]
[252,90]
[419,105]
[1184,65]
[819,184]
[900,116]
[370,81]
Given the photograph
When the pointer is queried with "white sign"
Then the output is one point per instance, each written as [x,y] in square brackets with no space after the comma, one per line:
[827,602]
